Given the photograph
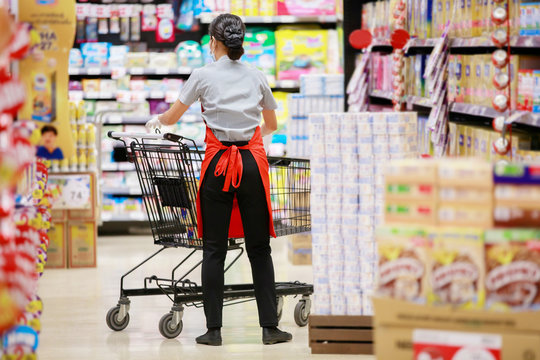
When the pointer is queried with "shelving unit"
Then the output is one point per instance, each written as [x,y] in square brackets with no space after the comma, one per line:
[206,18]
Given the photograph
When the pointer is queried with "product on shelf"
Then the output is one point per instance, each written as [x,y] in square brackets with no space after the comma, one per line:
[512,268]
[348,153]
[300,52]
[189,54]
[260,51]
[306,8]
[318,94]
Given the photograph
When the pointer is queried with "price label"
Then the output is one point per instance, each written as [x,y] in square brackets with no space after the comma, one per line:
[136,71]
[162,71]
[184,70]
[92,95]
[157,94]
[114,119]
[74,71]
[74,191]
[94,71]
[267,19]
[105,95]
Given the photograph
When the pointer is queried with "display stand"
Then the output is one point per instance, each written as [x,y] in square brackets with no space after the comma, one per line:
[335,334]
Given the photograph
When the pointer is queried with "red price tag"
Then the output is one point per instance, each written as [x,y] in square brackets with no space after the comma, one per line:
[399,38]
[360,39]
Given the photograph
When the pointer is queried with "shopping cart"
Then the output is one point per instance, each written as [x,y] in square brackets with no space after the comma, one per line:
[168,168]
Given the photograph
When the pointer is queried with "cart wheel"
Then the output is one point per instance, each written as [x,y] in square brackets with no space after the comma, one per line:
[166,329]
[280,301]
[112,319]
[300,314]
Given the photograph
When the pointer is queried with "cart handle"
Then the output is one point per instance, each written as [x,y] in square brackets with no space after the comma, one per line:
[118,135]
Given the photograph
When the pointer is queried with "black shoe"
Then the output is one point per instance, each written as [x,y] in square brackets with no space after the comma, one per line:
[212,337]
[273,336]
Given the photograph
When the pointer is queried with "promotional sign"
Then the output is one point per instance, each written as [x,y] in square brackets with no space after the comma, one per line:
[71,191]
[45,73]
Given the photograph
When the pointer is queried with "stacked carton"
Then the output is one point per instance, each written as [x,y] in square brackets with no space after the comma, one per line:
[318,94]
[349,152]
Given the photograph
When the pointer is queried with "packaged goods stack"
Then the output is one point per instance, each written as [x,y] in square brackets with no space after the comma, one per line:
[318,94]
[477,229]
[348,155]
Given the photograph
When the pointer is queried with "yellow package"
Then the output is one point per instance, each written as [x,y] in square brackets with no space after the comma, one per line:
[459,68]
[300,52]
[477,14]
[466,78]
[251,7]
[475,83]
[458,268]
[282,112]
[43,96]
[267,8]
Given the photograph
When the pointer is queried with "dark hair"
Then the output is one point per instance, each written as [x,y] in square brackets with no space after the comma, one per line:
[49,128]
[230,30]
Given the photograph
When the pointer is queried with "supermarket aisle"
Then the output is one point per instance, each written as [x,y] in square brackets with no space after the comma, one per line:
[76,301]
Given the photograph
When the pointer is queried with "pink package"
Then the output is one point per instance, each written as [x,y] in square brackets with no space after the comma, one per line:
[306,7]
[158,107]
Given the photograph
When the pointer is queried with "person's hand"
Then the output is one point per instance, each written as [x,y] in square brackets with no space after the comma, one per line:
[153,124]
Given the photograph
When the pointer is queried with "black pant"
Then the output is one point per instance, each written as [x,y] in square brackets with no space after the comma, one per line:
[216,206]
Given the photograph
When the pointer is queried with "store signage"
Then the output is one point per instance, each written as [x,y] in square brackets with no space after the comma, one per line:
[44,72]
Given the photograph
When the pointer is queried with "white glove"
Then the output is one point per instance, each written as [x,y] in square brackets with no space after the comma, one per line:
[153,124]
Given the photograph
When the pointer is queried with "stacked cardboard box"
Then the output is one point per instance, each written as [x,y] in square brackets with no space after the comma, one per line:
[349,153]
[449,192]
[73,232]
[300,249]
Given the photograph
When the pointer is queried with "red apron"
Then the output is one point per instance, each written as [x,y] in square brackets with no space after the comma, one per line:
[230,165]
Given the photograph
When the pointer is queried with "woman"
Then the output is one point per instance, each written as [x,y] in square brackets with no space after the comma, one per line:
[233,199]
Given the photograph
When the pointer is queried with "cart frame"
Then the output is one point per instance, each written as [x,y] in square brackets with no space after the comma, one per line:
[167,166]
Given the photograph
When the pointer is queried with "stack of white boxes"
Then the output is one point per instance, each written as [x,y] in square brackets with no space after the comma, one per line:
[318,94]
[349,152]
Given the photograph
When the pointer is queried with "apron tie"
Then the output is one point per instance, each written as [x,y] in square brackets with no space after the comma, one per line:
[230,164]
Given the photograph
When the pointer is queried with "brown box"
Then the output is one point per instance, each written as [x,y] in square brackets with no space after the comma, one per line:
[396,320]
[466,173]
[58,215]
[337,334]
[57,250]
[463,214]
[412,171]
[82,238]
[416,212]
[299,252]
[413,192]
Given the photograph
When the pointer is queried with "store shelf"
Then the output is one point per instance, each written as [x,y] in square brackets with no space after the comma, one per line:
[286,84]
[385,95]
[106,71]
[527,118]
[121,166]
[126,190]
[207,18]
[123,218]
[138,119]
[120,95]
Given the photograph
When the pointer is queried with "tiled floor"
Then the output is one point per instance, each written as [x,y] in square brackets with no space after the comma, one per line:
[77,300]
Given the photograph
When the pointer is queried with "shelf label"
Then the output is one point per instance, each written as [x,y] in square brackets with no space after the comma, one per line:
[76,95]
[94,71]
[92,95]
[184,70]
[74,71]
[105,95]
[114,119]
[267,19]
[162,71]
[157,94]
[136,71]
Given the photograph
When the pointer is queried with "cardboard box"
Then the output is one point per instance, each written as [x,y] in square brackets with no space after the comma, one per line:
[90,213]
[413,192]
[512,269]
[82,238]
[412,171]
[58,215]
[465,214]
[299,249]
[57,250]
[403,262]
[465,172]
[457,268]
[418,212]
[396,320]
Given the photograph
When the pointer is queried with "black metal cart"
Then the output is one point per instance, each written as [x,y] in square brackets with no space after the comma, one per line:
[168,167]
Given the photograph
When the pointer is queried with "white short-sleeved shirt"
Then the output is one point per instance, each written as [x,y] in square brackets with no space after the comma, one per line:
[232,94]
